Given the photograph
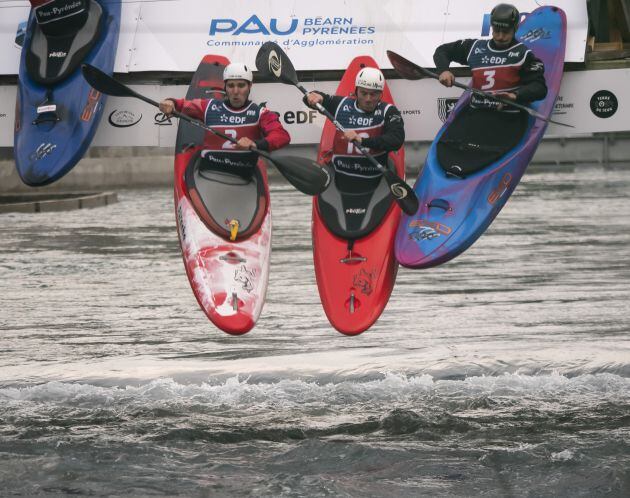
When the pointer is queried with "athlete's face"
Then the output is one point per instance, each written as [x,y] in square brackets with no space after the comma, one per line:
[367,100]
[237,92]
[502,36]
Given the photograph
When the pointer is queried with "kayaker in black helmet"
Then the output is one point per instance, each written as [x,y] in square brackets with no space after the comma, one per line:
[501,65]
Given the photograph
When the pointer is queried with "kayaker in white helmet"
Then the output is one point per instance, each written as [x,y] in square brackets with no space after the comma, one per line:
[253,126]
[368,121]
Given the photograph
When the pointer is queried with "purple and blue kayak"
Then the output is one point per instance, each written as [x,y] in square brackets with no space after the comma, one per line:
[454,212]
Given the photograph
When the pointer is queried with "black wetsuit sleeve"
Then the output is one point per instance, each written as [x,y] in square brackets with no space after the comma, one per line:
[393,136]
[330,103]
[532,86]
[456,51]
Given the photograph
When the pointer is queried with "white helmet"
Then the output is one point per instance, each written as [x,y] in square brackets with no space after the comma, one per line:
[370,78]
[237,71]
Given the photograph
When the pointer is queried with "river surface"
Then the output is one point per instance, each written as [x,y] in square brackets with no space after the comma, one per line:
[505,372]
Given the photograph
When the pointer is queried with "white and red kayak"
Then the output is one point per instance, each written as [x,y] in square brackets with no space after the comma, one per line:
[223,220]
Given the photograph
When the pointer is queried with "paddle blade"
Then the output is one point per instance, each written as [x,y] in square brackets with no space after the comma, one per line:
[103,82]
[404,67]
[273,62]
[304,174]
[403,193]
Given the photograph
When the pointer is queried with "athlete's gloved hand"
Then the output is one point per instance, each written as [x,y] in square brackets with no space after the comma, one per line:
[446,78]
[352,136]
[314,98]
[167,106]
[506,96]
[245,144]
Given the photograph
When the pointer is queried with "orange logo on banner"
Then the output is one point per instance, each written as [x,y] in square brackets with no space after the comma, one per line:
[438,227]
[91,104]
[503,185]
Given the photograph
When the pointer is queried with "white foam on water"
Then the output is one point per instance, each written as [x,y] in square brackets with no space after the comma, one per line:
[239,392]
[563,456]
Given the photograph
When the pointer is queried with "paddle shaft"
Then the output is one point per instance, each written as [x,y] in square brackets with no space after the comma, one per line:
[481,93]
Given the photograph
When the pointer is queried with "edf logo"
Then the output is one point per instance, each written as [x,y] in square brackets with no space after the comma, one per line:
[485,26]
[253,26]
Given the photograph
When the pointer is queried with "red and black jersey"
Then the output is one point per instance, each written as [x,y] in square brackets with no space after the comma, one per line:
[251,121]
[381,131]
[515,69]
[346,157]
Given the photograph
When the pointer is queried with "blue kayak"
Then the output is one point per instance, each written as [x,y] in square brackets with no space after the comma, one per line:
[456,210]
[57,111]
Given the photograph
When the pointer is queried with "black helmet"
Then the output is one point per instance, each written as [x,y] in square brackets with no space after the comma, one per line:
[505,15]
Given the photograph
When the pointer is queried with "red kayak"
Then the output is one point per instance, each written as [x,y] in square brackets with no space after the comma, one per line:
[223,221]
[354,226]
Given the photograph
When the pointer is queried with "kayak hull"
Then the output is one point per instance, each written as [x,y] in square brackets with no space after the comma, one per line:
[228,278]
[355,285]
[47,151]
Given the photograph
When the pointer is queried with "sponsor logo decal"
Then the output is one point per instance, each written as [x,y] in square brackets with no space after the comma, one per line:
[182,225]
[43,150]
[355,211]
[275,64]
[604,104]
[398,190]
[17,115]
[427,230]
[364,281]
[245,277]
[160,119]
[58,10]
[561,106]
[500,189]
[90,105]
[444,107]
[291,31]
[299,117]
[533,35]
[123,118]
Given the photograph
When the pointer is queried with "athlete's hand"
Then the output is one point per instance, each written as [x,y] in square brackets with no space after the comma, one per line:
[314,98]
[506,96]
[245,144]
[167,106]
[446,78]
[352,136]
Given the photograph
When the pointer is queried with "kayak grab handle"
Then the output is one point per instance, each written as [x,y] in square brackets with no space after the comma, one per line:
[440,203]
[350,259]
[353,259]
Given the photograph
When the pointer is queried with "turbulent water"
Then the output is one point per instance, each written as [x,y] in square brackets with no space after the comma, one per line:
[505,372]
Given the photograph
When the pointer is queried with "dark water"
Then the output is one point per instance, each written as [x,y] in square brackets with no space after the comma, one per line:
[505,372]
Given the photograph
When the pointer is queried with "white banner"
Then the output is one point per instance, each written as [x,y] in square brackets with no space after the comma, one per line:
[592,101]
[173,35]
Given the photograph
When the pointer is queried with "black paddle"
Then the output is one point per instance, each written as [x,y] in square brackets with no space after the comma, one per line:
[411,71]
[272,61]
[304,174]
